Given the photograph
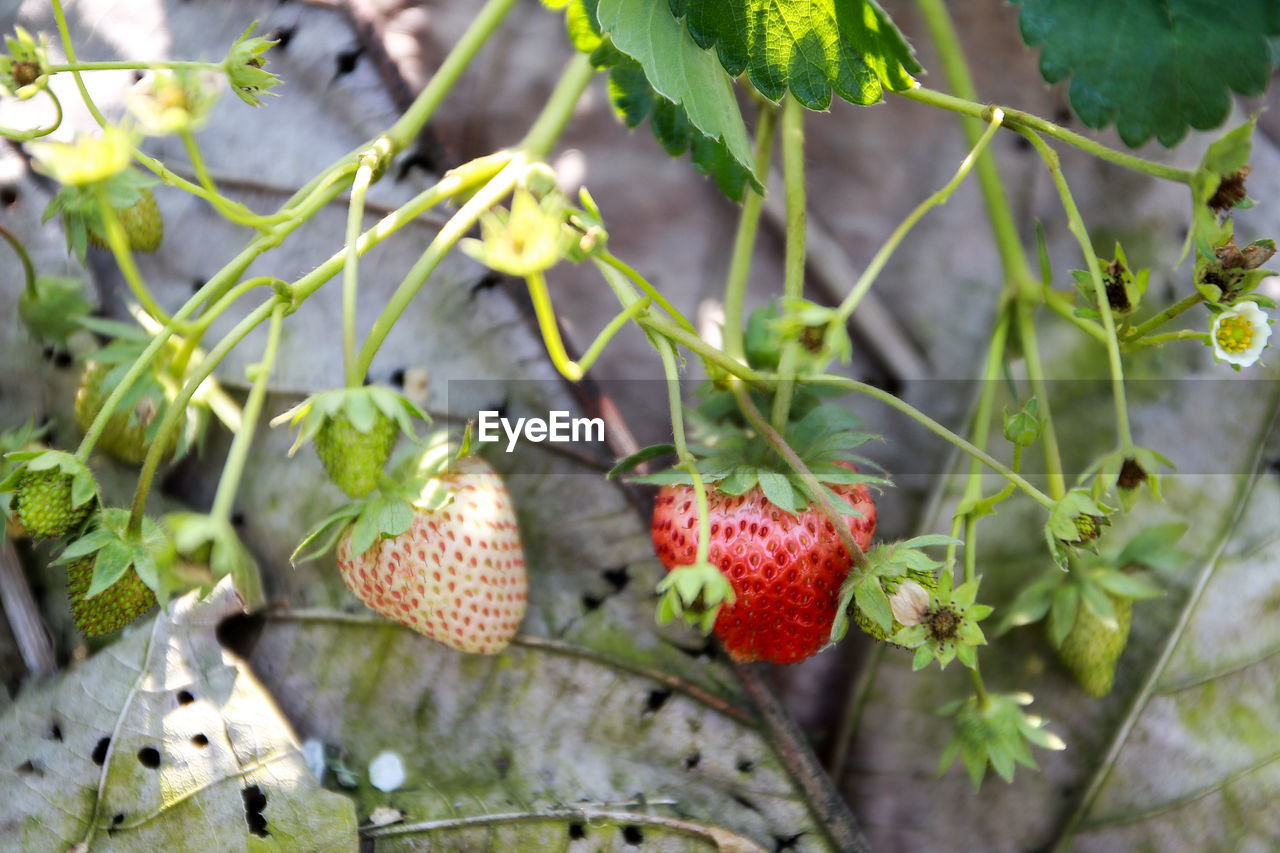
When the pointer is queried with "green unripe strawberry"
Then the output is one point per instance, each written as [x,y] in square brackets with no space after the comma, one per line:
[114,607]
[125,435]
[1092,647]
[44,503]
[355,459]
[142,225]
[925,578]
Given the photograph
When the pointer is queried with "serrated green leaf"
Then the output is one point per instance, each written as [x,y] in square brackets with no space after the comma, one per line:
[807,48]
[1153,67]
[678,70]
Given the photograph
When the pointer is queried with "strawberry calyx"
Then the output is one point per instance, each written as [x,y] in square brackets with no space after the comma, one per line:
[116,550]
[54,490]
[413,486]
[695,595]
[355,430]
[884,597]
[731,456]
[82,221]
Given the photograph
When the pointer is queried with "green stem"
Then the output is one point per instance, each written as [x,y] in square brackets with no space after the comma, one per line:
[350,270]
[486,23]
[177,407]
[543,310]
[542,136]
[238,455]
[1061,304]
[119,243]
[886,251]
[452,231]
[941,29]
[792,133]
[1077,227]
[69,48]
[1157,340]
[129,65]
[550,330]
[1020,120]
[36,133]
[648,289]
[705,351]
[667,353]
[816,491]
[981,428]
[1035,374]
[28,270]
[735,368]
[979,689]
[230,209]
[939,430]
[1182,305]
[735,288]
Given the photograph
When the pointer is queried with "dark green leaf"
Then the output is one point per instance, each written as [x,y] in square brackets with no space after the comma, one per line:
[1153,67]
[808,48]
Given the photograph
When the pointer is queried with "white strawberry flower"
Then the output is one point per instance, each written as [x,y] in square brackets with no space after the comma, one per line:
[1240,334]
[386,771]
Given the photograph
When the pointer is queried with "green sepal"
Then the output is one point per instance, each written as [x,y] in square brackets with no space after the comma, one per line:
[53,310]
[1024,426]
[694,594]
[1062,615]
[203,539]
[1032,602]
[149,552]
[996,732]
[244,68]
[360,406]
[641,456]
[871,599]
[84,487]
[1154,547]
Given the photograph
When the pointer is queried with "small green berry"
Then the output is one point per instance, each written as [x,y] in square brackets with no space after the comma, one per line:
[114,607]
[44,503]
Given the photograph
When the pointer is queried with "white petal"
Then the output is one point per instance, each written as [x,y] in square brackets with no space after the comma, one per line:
[386,771]
[910,604]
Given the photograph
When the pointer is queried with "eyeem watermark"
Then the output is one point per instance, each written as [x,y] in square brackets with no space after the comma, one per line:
[559,427]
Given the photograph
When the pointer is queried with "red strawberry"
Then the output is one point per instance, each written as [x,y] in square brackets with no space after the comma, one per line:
[457,574]
[786,570]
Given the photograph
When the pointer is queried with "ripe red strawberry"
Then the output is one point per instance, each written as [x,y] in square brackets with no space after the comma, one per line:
[457,574]
[786,570]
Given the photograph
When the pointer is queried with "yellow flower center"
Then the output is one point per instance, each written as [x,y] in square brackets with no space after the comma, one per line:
[1235,334]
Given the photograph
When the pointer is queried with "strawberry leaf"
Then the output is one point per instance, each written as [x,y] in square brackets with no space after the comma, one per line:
[1153,67]
[807,48]
[678,70]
